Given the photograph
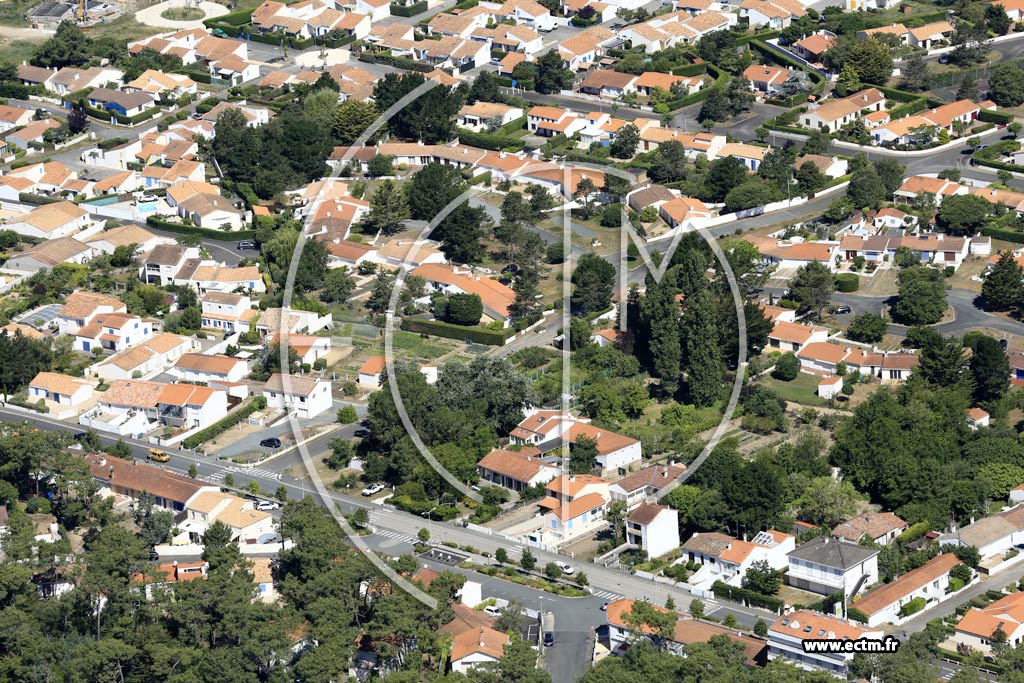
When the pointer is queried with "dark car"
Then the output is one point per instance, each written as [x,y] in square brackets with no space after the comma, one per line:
[246,244]
[361,433]
[841,309]
[153,554]
[272,442]
[510,268]
[944,59]
[80,436]
[549,639]
[1003,343]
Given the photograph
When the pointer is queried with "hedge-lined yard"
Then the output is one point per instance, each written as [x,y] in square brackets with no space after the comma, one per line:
[217,428]
[477,335]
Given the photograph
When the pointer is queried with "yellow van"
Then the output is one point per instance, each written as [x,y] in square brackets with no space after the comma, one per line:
[158,455]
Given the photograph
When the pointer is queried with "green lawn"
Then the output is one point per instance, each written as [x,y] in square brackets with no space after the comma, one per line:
[802,390]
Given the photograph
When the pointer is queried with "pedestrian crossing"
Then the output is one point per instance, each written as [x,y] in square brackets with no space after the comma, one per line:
[607,595]
[395,536]
[219,475]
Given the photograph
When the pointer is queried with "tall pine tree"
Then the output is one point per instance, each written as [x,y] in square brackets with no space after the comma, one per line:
[1003,288]
[703,358]
[659,316]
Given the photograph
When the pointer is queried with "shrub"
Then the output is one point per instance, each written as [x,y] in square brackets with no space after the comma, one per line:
[847,282]
[347,415]
[913,607]
[786,368]
[258,403]
[856,615]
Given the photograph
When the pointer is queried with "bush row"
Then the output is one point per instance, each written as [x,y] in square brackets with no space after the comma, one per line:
[999,117]
[408,10]
[1003,234]
[492,141]
[437,328]
[724,591]
[258,403]
[847,282]
[207,233]
[397,62]
[239,18]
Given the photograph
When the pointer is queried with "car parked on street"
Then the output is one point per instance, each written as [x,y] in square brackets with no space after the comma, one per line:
[272,442]
[374,489]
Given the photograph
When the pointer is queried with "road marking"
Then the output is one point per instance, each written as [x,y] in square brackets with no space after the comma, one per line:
[256,472]
[395,535]
[607,595]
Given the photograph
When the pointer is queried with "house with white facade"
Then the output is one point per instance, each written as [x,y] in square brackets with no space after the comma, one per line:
[977,628]
[304,397]
[113,332]
[929,582]
[62,390]
[727,559]
[825,565]
[476,647]
[81,307]
[548,429]
[203,368]
[50,221]
[653,528]
[516,470]
[878,527]
[992,536]
[787,635]
[836,113]
[238,514]
[643,486]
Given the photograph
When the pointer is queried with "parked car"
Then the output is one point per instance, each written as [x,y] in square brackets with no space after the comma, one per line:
[153,554]
[549,639]
[246,244]
[374,489]
[267,505]
[840,310]
[361,433]
[158,455]
[148,198]
[566,569]
[943,59]
[272,442]
[493,610]
[604,606]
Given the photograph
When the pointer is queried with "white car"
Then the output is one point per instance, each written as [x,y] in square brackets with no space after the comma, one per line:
[374,489]
[566,569]
[492,610]
[148,198]
[267,505]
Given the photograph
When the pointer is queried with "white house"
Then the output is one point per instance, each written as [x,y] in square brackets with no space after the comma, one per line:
[246,523]
[787,336]
[787,635]
[202,368]
[825,565]
[929,581]
[547,429]
[64,390]
[49,221]
[227,311]
[978,626]
[836,113]
[636,488]
[113,332]
[477,646]
[81,307]
[305,397]
[727,559]
[993,535]
[653,528]
[482,115]
[148,359]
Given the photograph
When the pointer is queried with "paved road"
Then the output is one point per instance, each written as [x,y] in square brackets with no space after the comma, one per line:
[962,301]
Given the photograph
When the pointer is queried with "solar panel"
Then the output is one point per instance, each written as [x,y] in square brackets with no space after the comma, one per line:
[41,317]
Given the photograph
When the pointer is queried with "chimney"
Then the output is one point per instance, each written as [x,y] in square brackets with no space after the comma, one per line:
[111,472]
[103,461]
[481,637]
[572,477]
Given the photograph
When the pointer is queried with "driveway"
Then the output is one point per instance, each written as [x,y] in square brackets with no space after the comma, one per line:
[151,15]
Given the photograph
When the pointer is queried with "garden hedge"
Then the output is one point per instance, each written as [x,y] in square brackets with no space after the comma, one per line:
[847,282]
[724,591]
[258,403]
[408,10]
[1000,117]
[239,18]
[492,141]
[437,328]
[206,233]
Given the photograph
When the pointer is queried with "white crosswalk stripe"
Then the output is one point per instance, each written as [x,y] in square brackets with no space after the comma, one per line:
[256,472]
[607,595]
[217,476]
[395,535]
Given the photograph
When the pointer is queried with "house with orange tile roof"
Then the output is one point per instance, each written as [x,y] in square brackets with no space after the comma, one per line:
[777,313]
[765,78]
[130,479]
[878,527]
[622,633]
[370,372]
[481,115]
[821,358]
[246,523]
[310,348]
[12,117]
[298,395]
[227,311]
[481,646]
[81,307]
[33,133]
[836,113]
[787,635]
[550,121]
[977,418]
[145,360]
[496,297]
[774,14]
[113,332]
[168,85]
[682,211]
[929,582]
[50,221]
[135,407]
[60,389]
[787,336]
[581,51]
[830,387]
[977,628]
[548,429]
[724,558]
[191,406]
[642,486]
[919,185]
[516,470]
[812,47]
[897,367]
[924,127]
[202,368]
[1013,8]
[605,337]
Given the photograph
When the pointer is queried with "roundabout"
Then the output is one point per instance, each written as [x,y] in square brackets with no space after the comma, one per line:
[179,14]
